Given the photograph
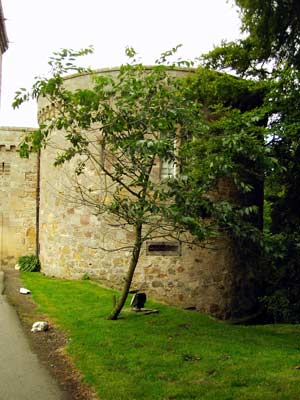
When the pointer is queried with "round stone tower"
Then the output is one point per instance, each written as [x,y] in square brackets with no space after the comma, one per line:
[72,240]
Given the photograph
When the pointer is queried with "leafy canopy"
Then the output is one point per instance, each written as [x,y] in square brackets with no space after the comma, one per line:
[270,51]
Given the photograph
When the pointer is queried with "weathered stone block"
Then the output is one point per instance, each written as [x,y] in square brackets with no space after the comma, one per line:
[157,284]
[84,219]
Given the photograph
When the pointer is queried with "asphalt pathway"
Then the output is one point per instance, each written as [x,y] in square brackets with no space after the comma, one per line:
[22,377]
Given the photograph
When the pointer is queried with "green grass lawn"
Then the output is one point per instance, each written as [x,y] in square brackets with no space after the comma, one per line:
[175,354]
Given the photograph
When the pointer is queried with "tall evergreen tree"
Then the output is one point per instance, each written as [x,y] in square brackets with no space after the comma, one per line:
[270,51]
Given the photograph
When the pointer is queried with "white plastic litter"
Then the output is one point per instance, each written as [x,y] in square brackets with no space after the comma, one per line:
[24,291]
[40,326]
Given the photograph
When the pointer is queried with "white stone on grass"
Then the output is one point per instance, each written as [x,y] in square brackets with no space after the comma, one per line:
[24,291]
[39,326]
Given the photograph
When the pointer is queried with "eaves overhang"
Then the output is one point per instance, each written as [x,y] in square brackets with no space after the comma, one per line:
[3,34]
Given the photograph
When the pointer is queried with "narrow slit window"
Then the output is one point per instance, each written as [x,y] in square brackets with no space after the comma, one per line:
[4,168]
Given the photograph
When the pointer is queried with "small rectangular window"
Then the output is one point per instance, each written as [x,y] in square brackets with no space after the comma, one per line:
[163,248]
[168,169]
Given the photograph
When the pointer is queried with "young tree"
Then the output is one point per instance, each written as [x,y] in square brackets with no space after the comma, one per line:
[122,127]
[204,126]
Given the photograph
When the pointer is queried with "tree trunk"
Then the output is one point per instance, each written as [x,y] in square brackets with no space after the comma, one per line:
[128,279]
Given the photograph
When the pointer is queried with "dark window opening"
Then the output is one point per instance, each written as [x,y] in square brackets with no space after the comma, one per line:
[163,248]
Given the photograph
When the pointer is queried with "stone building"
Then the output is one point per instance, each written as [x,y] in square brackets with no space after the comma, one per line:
[18,183]
[37,212]
[3,41]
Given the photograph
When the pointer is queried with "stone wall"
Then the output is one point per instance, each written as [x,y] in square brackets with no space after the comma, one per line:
[17,198]
[72,240]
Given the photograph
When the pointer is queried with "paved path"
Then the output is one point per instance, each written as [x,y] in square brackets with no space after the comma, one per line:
[22,377]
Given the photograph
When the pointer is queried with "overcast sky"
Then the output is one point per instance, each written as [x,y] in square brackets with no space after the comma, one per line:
[36,28]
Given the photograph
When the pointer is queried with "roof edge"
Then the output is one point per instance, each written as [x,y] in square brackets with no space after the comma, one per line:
[17,128]
[3,33]
[108,70]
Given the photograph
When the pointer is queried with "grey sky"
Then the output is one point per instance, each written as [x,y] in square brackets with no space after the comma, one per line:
[36,28]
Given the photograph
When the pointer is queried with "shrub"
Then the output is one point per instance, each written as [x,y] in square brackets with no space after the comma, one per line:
[281,300]
[29,263]
[277,307]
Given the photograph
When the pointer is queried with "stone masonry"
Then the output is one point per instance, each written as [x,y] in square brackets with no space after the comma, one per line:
[17,198]
[207,278]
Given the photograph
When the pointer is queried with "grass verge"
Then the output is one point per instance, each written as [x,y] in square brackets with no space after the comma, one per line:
[172,355]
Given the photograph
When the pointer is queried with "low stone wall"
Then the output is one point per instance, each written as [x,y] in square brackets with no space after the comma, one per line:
[17,198]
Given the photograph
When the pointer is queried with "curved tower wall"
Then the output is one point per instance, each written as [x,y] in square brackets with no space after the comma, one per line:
[72,242]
